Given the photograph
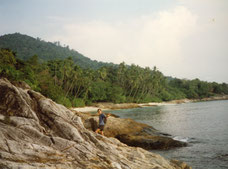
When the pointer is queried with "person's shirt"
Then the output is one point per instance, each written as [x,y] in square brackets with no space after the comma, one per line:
[101,119]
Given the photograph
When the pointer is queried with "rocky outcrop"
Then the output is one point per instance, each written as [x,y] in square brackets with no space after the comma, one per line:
[35,132]
[131,132]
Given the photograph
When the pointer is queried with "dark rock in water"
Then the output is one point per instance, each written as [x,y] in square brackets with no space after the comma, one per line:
[132,133]
[35,132]
[150,142]
[222,156]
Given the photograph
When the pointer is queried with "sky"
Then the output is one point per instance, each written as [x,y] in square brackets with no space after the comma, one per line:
[182,38]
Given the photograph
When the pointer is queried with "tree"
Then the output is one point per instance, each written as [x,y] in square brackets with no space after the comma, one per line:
[7,57]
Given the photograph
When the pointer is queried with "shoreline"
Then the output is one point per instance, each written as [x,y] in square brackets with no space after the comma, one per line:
[113,106]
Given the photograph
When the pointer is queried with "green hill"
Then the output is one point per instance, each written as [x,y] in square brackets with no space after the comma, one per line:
[63,80]
[26,46]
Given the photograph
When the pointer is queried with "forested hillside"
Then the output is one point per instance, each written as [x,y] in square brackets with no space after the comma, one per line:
[26,46]
[69,84]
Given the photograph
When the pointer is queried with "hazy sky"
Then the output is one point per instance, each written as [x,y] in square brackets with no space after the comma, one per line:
[182,38]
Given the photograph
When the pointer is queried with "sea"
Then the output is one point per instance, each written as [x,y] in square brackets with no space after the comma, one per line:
[203,125]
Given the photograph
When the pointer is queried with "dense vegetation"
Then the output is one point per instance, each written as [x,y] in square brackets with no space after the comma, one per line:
[67,83]
[26,46]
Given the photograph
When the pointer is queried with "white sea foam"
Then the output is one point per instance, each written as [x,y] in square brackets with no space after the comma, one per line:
[180,138]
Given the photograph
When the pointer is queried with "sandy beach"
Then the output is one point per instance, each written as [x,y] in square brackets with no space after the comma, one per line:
[87,109]
[112,106]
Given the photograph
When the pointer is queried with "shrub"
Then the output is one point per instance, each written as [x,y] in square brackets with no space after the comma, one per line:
[155,99]
[78,102]
[165,96]
[116,95]
[65,101]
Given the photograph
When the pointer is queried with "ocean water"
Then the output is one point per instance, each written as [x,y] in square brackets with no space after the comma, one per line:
[203,125]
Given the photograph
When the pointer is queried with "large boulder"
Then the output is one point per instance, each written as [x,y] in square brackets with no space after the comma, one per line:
[35,132]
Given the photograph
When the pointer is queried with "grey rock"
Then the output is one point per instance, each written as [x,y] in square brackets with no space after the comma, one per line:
[35,132]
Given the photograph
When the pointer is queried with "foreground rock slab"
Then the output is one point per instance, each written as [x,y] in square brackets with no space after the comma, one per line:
[35,132]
